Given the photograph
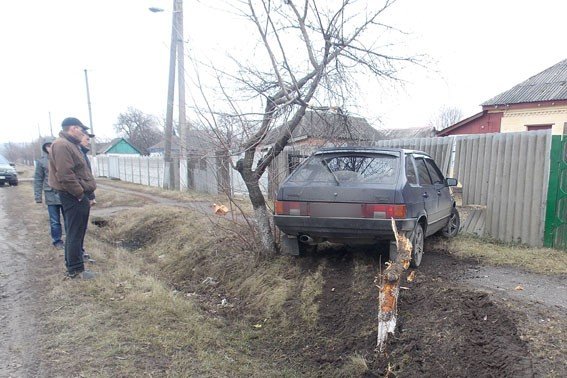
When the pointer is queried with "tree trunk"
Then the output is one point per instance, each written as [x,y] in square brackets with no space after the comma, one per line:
[390,288]
[263,223]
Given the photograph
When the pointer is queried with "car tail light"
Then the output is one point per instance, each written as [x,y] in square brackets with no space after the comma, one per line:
[291,208]
[371,210]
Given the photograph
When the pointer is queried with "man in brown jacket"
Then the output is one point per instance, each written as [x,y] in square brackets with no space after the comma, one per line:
[70,176]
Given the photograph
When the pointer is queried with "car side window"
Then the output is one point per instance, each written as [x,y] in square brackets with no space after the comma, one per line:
[410,171]
[422,172]
[435,173]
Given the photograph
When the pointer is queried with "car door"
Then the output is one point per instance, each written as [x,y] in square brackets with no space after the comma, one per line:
[413,193]
[428,191]
[445,202]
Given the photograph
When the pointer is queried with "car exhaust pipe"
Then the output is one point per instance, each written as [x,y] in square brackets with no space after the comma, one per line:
[306,239]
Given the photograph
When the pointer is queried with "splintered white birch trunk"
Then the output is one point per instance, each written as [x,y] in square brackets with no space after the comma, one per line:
[390,288]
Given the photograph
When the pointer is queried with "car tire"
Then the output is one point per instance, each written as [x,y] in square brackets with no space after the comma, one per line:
[13,184]
[417,246]
[453,226]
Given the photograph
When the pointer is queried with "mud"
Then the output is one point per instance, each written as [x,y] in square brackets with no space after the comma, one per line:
[447,327]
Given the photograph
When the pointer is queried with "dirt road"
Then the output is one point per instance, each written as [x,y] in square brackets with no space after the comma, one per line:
[19,249]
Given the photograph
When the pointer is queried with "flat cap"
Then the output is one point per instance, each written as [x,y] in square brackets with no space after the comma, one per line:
[72,121]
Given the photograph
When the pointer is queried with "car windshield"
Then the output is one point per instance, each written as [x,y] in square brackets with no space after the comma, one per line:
[351,169]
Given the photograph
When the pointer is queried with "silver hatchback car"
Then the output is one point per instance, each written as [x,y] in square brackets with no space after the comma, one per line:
[349,195]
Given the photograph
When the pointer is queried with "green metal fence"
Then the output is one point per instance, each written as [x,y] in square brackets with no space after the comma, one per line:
[555,235]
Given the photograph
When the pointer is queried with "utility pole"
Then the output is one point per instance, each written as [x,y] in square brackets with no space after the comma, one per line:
[93,143]
[168,182]
[183,132]
[50,125]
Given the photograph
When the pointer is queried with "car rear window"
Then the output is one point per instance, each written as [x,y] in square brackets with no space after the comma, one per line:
[348,169]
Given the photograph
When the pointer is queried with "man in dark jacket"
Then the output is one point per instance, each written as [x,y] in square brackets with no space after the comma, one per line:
[41,188]
[73,180]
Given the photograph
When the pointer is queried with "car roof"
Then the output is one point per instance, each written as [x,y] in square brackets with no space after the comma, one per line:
[369,149]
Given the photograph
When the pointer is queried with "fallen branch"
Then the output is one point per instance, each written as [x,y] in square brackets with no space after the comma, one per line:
[390,288]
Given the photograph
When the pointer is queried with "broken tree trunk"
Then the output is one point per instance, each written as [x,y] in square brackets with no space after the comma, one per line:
[390,287]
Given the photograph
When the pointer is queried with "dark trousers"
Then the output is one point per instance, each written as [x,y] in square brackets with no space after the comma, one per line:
[76,217]
[55,212]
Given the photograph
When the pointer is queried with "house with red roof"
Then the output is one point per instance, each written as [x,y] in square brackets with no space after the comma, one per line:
[538,103]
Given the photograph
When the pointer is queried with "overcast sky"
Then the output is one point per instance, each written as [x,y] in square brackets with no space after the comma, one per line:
[478,49]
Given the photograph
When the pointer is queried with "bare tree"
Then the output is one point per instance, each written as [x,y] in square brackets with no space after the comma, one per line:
[446,116]
[24,153]
[313,53]
[139,128]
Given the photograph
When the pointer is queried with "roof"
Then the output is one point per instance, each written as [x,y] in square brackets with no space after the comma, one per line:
[197,141]
[548,85]
[328,125]
[124,147]
[462,122]
[412,132]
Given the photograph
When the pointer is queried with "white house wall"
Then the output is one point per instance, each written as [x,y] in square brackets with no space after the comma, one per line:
[516,120]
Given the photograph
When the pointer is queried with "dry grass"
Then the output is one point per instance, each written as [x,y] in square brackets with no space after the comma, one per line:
[133,321]
[356,366]
[238,202]
[108,198]
[538,260]
[183,300]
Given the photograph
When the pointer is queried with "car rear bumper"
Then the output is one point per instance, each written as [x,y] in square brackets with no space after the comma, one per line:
[342,229]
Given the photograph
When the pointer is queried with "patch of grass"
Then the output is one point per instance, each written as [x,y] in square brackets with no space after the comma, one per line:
[188,296]
[239,202]
[356,366]
[131,321]
[108,198]
[538,260]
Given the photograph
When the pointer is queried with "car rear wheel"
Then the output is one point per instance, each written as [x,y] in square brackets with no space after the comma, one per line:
[452,228]
[417,246]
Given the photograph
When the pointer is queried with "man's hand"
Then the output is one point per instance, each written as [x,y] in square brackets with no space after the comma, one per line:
[92,202]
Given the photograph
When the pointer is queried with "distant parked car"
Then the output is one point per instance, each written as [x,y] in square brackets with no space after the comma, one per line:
[7,172]
[349,195]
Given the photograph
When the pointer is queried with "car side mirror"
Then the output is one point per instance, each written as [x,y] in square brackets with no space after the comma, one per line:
[13,164]
[451,182]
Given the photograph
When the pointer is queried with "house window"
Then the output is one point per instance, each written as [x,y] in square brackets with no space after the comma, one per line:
[539,127]
[293,160]
[202,164]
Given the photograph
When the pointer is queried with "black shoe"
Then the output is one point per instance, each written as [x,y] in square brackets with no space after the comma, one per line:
[59,245]
[84,275]
[71,275]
